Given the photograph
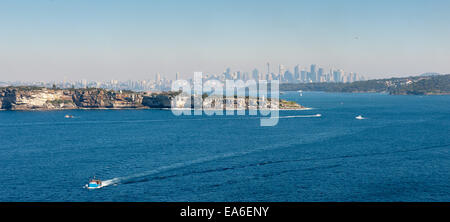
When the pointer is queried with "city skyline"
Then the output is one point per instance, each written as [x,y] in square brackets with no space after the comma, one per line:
[101,40]
[300,74]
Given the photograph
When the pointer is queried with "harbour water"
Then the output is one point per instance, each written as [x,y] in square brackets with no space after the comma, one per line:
[399,152]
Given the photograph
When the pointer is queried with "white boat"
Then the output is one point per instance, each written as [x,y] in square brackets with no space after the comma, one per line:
[94,184]
[359,117]
[300,92]
[68,116]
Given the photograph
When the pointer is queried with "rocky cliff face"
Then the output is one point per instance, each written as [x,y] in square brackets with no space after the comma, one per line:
[32,98]
[98,98]
[159,100]
[35,98]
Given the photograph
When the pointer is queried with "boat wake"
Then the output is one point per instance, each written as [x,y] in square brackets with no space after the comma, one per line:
[145,175]
[142,176]
[301,116]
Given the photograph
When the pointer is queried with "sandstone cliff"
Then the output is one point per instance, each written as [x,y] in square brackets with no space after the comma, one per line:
[38,98]
[34,98]
[99,98]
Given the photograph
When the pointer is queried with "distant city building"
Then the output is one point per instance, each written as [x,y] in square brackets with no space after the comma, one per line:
[297,72]
[281,70]
[255,74]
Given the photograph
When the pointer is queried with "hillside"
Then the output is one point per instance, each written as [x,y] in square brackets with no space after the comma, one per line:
[417,85]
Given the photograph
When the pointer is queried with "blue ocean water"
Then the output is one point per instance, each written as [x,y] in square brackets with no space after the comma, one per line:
[399,153]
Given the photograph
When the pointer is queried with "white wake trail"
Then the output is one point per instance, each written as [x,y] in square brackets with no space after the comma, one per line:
[301,116]
[124,179]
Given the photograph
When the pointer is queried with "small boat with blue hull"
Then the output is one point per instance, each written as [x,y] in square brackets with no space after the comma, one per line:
[94,184]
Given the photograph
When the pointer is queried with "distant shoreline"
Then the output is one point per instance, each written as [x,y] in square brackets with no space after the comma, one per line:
[415,85]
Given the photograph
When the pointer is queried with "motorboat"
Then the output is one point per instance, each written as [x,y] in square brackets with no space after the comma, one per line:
[359,117]
[94,184]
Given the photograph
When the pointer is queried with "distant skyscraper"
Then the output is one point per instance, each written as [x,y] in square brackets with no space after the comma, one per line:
[297,72]
[303,75]
[281,71]
[255,74]
[268,68]
[228,73]
[288,76]
[331,75]
[158,78]
[313,73]
[337,75]
[177,76]
[245,76]
[320,75]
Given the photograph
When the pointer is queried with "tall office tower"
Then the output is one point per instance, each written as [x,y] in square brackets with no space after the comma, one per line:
[297,72]
[338,75]
[228,73]
[255,74]
[288,77]
[313,73]
[158,78]
[303,75]
[354,77]
[222,76]
[268,68]
[246,76]
[177,76]
[281,70]
[320,76]
[235,75]
[346,77]
[335,76]
[309,77]
[331,75]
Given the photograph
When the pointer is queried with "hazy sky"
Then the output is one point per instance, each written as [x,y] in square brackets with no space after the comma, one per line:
[100,40]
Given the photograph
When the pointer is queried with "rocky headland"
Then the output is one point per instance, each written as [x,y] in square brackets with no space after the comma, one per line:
[39,98]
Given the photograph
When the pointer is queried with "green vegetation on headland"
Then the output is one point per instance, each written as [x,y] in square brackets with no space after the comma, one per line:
[417,85]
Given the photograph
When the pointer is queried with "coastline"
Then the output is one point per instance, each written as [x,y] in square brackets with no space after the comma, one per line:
[146,108]
[43,99]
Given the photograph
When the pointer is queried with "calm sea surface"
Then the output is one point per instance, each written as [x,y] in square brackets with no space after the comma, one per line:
[399,153]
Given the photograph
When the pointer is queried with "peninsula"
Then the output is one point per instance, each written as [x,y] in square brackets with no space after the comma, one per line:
[41,98]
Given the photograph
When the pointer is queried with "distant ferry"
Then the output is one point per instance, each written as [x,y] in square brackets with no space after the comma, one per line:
[94,184]
[359,117]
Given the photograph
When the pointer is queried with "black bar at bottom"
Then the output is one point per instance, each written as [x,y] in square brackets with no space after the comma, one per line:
[224,211]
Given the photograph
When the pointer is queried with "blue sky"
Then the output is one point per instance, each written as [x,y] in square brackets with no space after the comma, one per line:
[99,40]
